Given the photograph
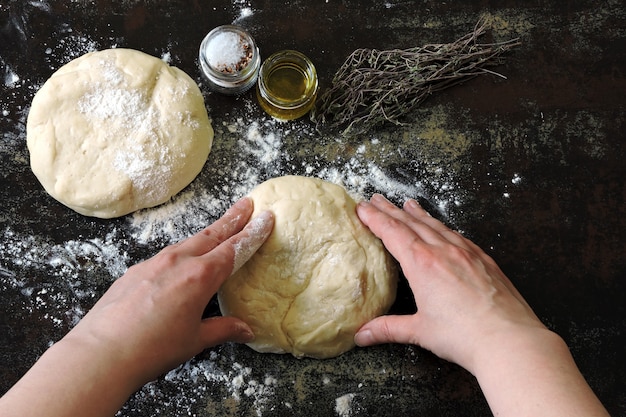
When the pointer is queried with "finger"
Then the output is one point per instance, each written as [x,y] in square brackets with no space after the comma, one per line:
[410,229]
[386,206]
[230,255]
[429,229]
[387,329]
[254,235]
[399,239]
[417,220]
[226,226]
[218,330]
[414,209]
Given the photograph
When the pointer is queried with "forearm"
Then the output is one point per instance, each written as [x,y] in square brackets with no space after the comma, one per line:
[535,375]
[73,378]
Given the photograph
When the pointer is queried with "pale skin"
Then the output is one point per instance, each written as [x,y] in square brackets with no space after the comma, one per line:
[150,320]
[470,313]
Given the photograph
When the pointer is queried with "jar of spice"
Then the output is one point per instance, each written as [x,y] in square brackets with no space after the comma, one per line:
[229,59]
[287,85]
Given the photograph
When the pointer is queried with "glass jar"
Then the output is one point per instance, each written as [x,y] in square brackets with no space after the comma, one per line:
[229,59]
[287,85]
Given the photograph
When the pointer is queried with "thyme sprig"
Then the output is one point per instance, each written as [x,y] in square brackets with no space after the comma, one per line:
[377,86]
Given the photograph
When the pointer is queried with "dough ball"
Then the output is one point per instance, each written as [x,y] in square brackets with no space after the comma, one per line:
[117,130]
[317,279]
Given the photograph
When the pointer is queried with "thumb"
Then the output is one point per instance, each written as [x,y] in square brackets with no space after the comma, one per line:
[218,330]
[387,329]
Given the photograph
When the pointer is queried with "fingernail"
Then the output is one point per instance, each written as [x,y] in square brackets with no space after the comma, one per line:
[364,338]
[413,203]
[242,202]
[245,334]
[381,199]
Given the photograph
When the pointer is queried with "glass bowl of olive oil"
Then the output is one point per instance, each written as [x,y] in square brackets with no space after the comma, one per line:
[287,85]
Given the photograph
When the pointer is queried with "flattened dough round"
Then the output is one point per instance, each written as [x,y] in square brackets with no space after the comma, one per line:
[317,279]
[117,130]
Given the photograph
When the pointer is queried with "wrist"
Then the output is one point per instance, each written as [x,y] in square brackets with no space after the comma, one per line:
[105,372]
[78,377]
[111,360]
[523,371]
[515,344]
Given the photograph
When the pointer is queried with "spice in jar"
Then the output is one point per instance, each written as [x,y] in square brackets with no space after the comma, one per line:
[229,59]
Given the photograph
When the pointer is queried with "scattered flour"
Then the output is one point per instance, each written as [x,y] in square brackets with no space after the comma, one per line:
[79,269]
[344,405]
[245,12]
[238,382]
[10,78]
[74,266]
[71,266]
[166,57]
[260,157]
[71,46]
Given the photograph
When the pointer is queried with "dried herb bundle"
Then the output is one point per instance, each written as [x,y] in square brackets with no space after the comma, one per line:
[373,87]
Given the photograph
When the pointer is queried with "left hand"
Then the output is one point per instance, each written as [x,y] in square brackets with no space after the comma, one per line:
[152,316]
[148,322]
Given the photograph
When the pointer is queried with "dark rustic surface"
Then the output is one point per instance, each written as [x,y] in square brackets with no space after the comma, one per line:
[531,168]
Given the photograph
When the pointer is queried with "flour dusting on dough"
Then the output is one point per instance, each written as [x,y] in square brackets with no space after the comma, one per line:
[128,132]
[247,246]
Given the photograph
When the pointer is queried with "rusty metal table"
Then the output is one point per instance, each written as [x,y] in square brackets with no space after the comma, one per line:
[530,167]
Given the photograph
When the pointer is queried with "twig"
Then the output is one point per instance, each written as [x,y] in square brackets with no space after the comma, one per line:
[377,86]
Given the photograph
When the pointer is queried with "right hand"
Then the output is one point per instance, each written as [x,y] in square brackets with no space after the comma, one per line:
[465,302]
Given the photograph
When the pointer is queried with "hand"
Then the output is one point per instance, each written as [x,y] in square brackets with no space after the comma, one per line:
[470,313]
[153,314]
[462,296]
[148,322]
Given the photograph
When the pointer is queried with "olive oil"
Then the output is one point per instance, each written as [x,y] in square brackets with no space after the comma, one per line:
[287,85]
[287,82]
